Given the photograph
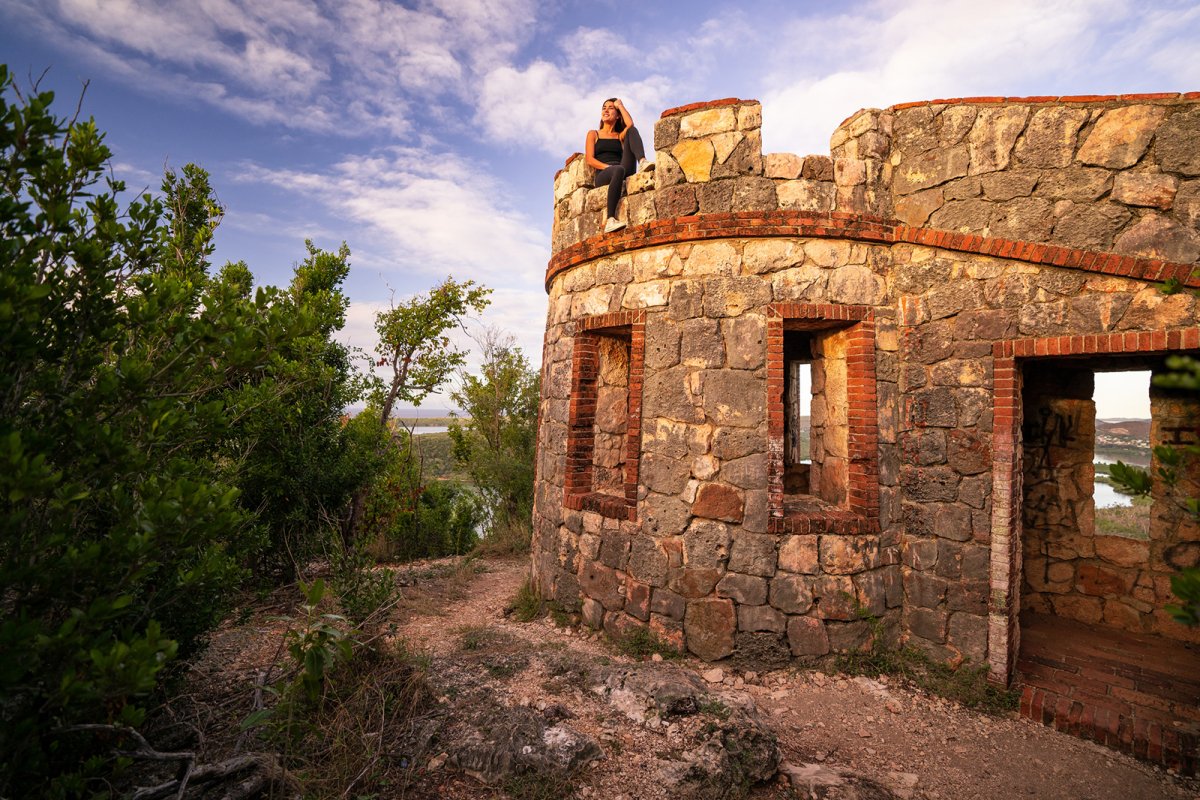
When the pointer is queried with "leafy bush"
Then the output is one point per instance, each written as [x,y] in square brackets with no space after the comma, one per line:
[162,431]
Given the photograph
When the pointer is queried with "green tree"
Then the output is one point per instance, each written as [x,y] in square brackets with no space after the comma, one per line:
[415,346]
[137,401]
[497,443]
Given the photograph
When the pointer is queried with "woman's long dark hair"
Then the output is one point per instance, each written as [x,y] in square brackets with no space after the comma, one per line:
[619,125]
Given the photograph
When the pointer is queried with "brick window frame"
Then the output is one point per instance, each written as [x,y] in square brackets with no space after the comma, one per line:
[579,493]
[859,513]
[1004,640]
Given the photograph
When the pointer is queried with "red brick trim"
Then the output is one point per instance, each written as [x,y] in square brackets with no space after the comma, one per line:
[725,101]
[857,227]
[1005,568]
[1114,724]
[578,491]
[862,490]
[1074,98]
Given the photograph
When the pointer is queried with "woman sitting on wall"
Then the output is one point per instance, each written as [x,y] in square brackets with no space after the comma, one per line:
[612,150]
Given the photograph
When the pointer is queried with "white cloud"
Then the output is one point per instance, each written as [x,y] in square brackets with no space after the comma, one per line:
[426,214]
[552,107]
[353,66]
[892,52]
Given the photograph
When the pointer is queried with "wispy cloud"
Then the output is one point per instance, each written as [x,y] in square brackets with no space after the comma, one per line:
[347,67]
[425,213]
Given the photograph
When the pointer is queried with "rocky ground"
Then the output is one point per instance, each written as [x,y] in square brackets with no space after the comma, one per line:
[534,710]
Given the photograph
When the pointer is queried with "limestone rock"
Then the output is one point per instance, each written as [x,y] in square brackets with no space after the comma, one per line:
[993,135]
[1177,144]
[1151,189]
[1156,236]
[695,158]
[1049,140]
[745,589]
[807,637]
[753,554]
[930,169]
[709,626]
[1120,137]
[799,554]
[1091,226]
[782,165]
[719,501]
[791,594]
[502,742]
[804,194]
[708,122]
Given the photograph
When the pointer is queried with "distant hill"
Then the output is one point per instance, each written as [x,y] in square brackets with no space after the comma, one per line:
[1127,429]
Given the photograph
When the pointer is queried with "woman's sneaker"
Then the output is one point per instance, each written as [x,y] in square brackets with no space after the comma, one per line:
[613,224]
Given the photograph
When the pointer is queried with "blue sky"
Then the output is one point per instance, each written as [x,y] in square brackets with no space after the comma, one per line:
[426,134]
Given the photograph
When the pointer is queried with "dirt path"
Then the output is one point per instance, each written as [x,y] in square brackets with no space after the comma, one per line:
[919,746]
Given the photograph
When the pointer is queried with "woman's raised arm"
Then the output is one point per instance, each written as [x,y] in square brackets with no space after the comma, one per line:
[626,117]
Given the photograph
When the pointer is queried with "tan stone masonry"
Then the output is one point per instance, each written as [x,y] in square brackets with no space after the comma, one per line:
[939,258]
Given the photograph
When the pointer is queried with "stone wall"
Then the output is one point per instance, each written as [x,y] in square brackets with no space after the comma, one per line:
[1119,174]
[915,507]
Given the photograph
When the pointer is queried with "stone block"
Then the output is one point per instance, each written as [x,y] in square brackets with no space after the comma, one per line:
[753,553]
[730,297]
[745,341]
[1177,143]
[927,623]
[846,555]
[746,158]
[993,135]
[593,613]
[835,596]
[706,544]
[715,197]
[807,637]
[923,447]
[915,209]
[675,201]
[929,484]
[849,637]
[695,158]
[1025,218]
[647,561]
[713,258]
[754,194]
[702,344]
[614,549]
[693,582]
[668,631]
[1156,236]
[736,398]
[782,165]
[637,600]
[799,554]
[620,626]
[708,122]
[1151,189]
[603,584]
[1049,139]
[668,604]
[817,168]
[968,453]
[666,133]
[747,472]
[755,619]
[923,589]
[791,594]
[1120,137]
[933,168]
[1101,581]
[663,515]
[747,590]
[969,635]
[1121,551]
[709,627]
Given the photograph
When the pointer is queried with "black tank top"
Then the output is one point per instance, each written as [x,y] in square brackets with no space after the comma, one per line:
[607,150]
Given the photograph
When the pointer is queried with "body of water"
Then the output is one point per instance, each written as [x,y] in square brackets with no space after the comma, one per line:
[1103,493]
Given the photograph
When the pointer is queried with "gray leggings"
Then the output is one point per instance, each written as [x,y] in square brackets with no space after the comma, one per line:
[632,152]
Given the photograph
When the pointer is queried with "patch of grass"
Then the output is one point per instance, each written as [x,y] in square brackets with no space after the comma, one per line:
[528,786]
[527,605]
[967,685]
[1131,521]
[641,643]
[506,538]
[475,637]
[715,708]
